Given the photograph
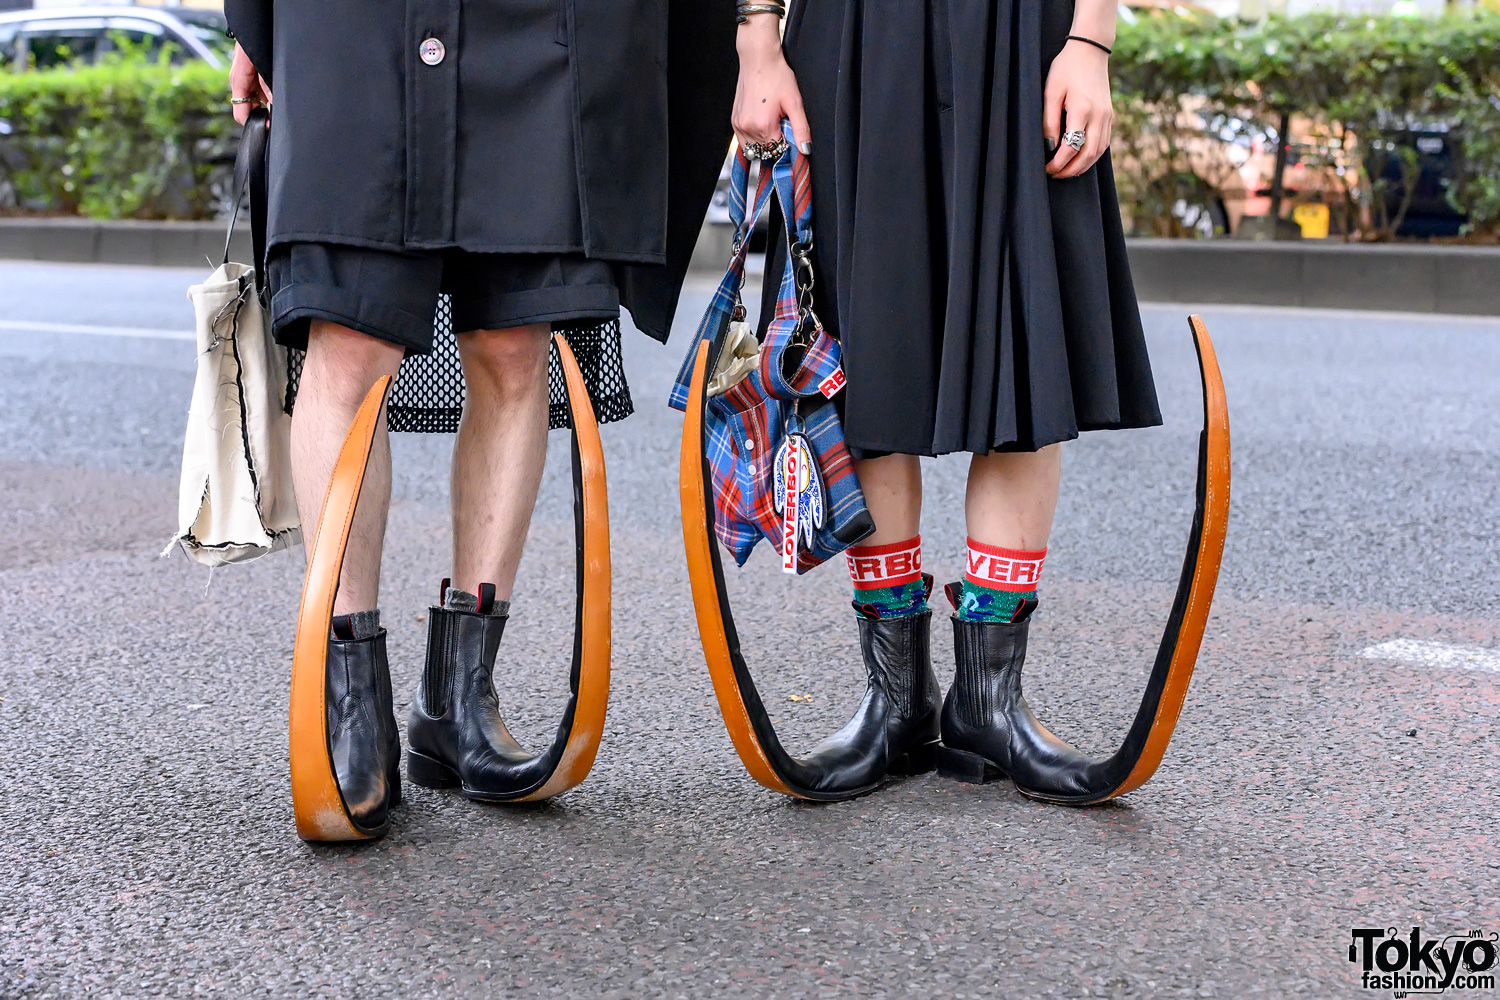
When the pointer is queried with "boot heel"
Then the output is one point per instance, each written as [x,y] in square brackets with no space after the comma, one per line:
[429,773]
[970,768]
[394,779]
[918,760]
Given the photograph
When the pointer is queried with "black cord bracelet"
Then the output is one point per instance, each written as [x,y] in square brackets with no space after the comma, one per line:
[1089,41]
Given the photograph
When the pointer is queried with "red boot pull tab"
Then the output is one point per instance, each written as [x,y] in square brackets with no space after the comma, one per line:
[443,592]
[1024,610]
[955,593]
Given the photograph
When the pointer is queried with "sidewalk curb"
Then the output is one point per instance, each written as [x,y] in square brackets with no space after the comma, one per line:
[1458,280]
[90,241]
[1404,277]
[1399,277]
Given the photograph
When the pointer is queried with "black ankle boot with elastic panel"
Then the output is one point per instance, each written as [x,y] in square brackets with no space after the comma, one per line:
[363,742]
[455,734]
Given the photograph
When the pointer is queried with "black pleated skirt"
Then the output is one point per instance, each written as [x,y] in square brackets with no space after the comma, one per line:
[981,305]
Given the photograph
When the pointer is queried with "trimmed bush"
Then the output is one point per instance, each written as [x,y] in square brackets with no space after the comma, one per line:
[125,139]
[132,138]
[1360,85]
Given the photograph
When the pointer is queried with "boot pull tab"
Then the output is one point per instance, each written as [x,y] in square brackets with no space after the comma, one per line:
[927,586]
[443,592]
[486,598]
[955,593]
[1024,610]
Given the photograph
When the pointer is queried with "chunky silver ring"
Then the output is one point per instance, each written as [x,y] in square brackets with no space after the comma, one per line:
[766,150]
[244,100]
[1076,138]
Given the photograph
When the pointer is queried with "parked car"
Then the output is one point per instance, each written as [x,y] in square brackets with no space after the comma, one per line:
[43,39]
[62,36]
[1432,148]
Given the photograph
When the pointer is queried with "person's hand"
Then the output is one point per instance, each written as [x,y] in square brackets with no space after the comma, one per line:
[768,88]
[245,82]
[1078,83]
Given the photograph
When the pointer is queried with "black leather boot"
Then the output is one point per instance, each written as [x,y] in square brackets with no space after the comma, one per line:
[989,730]
[363,741]
[455,734]
[895,728]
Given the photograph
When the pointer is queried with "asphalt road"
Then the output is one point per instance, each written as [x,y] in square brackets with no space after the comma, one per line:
[146,840]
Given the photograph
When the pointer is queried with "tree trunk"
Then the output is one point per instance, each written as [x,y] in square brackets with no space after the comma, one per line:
[1278,182]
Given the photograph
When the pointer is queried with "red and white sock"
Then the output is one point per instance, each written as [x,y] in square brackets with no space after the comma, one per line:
[887,579]
[998,582]
[997,568]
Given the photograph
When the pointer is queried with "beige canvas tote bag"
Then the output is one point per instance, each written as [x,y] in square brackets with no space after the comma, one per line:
[236,502]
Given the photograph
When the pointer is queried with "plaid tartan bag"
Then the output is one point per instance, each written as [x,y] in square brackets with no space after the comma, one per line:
[775,444]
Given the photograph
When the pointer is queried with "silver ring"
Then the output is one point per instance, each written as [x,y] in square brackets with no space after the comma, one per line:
[244,100]
[1076,138]
[766,150]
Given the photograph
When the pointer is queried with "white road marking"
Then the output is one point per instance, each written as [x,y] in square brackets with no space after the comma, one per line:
[37,326]
[1436,654]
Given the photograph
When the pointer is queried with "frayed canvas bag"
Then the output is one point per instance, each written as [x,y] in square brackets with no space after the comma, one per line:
[236,501]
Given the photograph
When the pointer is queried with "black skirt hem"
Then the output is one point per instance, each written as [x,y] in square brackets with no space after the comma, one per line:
[880,450]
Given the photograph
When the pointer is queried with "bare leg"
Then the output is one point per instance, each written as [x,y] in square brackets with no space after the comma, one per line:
[1012,497]
[499,454]
[892,486]
[342,365]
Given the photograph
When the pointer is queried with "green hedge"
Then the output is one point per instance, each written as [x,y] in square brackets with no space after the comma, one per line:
[137,139]
[1357,83]
[125,139]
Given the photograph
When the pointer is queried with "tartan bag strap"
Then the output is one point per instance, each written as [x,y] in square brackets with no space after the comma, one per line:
[798,357]
[739,197]
[726,303]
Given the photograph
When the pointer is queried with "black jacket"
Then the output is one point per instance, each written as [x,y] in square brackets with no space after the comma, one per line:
[653,84]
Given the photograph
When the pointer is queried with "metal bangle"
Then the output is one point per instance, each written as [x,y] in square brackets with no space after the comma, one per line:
[744,10]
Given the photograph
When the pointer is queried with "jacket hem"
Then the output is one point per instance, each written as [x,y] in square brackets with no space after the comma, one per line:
[610,256]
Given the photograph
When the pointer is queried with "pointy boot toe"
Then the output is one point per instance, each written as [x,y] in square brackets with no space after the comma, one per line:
[895,729]
[1042,765]
[853,760]
[456,734]
[989,730]
[364,786]
[363,743]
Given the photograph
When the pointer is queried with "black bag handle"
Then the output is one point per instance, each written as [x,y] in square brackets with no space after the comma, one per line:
[250,169]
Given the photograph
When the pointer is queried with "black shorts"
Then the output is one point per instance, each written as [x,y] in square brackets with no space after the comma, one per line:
[393,295]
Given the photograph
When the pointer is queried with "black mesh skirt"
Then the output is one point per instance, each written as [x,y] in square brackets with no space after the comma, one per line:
[428,397]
